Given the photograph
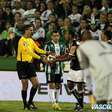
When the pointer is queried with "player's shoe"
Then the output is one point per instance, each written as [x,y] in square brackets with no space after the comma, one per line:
[56,106]
[78,108]
[31,106]
[26,107]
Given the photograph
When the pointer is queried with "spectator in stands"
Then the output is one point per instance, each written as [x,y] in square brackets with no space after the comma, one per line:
[105,5]
[46,13]
[18,25]
[3,4]
[10,41]
[75,15]
[4,39]
[51,19]
[37,14]
[42,7]
[79,4]
[39,35]
[9,16]
[94,15]
[2,20]
[95,32]
[86,12]
[109,16]
[63,8]
[83,25]
[29,13]
[39,38]
[37,4]
[103,20]
[52,27]
[94,3]
[18,8]
[60,24]
[110,31]
[67,28]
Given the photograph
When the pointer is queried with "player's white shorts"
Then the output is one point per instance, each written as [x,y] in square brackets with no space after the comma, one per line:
[75,76]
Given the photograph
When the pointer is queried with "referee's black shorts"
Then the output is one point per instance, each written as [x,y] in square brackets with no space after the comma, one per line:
[25,70]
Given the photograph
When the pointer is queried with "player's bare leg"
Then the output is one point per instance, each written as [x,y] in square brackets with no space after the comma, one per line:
[54,89]
[78,95]
[51,92]
[57,92]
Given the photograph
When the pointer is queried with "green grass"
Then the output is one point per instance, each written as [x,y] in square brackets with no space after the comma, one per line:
[16,106]
[7,63]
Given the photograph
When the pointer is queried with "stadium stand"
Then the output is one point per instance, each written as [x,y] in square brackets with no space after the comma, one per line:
[64,15]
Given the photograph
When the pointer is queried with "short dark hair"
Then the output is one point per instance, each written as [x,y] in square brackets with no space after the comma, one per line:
[55,31]
[26,27]
[86,35]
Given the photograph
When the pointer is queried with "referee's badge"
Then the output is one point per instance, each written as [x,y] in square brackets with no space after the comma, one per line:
[25,44]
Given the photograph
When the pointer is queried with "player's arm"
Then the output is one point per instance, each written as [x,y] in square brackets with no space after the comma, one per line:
[32,53]
[38,50]
[67,56]
[41,51]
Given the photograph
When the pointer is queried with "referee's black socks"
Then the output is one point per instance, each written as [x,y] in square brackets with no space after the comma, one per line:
[24,96]
[32,94]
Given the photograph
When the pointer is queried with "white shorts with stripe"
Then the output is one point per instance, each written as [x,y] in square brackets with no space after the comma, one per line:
[75,76]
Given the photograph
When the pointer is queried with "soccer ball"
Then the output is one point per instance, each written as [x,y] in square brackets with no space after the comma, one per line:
[50,57]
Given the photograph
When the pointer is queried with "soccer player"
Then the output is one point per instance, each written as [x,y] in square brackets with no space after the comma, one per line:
[97,56]
[25,68]
[54,72]
[75,78]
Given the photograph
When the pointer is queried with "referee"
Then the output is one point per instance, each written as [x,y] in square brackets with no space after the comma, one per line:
[25,68]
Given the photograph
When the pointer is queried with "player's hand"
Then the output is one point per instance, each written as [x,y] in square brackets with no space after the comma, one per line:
[64,57]
[50,60]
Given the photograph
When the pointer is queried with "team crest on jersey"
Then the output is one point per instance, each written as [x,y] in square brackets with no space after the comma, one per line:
[25,44]
[52,45]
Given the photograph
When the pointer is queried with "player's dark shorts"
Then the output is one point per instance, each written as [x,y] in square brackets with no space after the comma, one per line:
[56,78]
[25,70]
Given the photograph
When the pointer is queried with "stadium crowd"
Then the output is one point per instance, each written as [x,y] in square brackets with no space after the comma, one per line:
[70,17]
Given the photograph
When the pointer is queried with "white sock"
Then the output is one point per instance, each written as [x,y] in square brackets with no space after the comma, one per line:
[57,94]
[51,93]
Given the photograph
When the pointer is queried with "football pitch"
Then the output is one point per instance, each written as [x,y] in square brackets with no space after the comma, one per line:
[16,106]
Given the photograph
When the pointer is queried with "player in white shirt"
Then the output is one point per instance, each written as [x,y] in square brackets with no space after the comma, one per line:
[97,56]
[75,16]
